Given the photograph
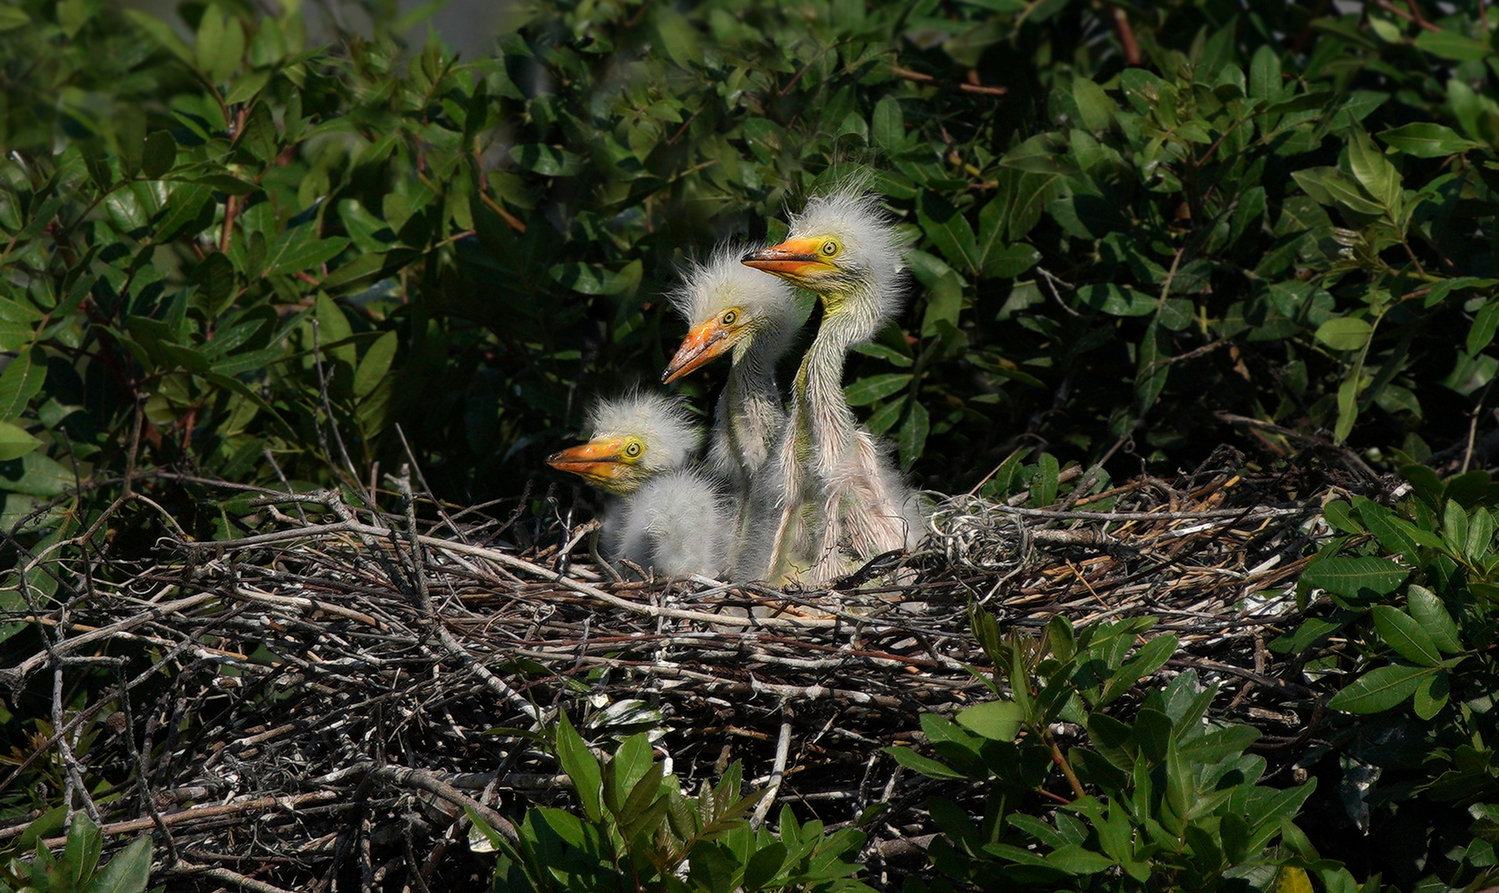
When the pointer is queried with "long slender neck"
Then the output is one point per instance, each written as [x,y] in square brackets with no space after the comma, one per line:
[754,372]
[749,413]
[817,394]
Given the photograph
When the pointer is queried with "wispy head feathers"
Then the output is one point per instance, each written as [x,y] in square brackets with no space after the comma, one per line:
[712,285]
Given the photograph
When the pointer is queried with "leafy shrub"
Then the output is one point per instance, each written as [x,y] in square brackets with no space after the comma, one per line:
[1411,590]
[638,831]
[1210,222]
[1161,800]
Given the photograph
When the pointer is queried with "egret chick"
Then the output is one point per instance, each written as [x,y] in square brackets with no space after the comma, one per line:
[833,498]
[668,517]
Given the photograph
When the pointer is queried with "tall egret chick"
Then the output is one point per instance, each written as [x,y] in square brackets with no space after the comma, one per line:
[834,498]
[731,308]
[668,516]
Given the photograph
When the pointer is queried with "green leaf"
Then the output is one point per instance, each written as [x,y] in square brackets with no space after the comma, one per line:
[162,33]
[1264,75]
[950,231]
[1427,140]
[889,127]
[997,720]
[641,810]
[1360,578]
[1379,690]
[1433,617]
[15,443]
[22,380]
[1481,333]
[1451,45]
[764,865]
[1150,657]
[1374,171]
[1074,859]
[1403,633]
[1351,195]
[1455,528]
[592,279]
[81,852]
[224,183]
[1340,518]
[375,365]
[300,249]
[581,766]
[1395,534]
[1009,261]
[913,434]
[1151,369]
[944,304]
[918,763]
[128,872]
[1431,695]
[334,331]
[159,155]
[1093,104]
[1345,333]
[1117,300]
[874,387]
[12,17]
[548,161]
[190,210]
[1044,484]
[214,277]
[221,44]
[1480,536]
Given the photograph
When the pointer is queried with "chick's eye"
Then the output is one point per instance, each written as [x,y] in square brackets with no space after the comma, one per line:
[632,450]
[730,317]
[830,248]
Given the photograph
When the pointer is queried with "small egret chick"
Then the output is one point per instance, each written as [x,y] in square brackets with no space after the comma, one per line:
[831,497]
[669,517]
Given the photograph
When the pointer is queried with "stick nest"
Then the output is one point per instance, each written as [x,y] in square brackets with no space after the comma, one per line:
[314,701]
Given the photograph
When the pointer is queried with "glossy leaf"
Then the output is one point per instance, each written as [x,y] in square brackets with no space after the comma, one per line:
[1379,689]
[1356,577]
[1426,140]
[1405,634]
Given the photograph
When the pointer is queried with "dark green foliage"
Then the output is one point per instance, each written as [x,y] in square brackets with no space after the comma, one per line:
[1410,592]
[637,831]
[268,246]
[1156,798]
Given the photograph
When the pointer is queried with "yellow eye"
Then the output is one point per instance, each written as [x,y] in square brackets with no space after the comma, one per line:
[729,317]
[633,449]
[829,248]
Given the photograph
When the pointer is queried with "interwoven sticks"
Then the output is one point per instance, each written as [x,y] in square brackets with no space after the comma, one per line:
[325,694]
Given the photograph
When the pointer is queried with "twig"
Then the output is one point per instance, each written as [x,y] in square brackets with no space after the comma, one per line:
[777,772]
[964,86]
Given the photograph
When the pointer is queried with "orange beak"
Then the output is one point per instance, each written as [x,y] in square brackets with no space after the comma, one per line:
[701,346]
[794,259]
[599,462]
